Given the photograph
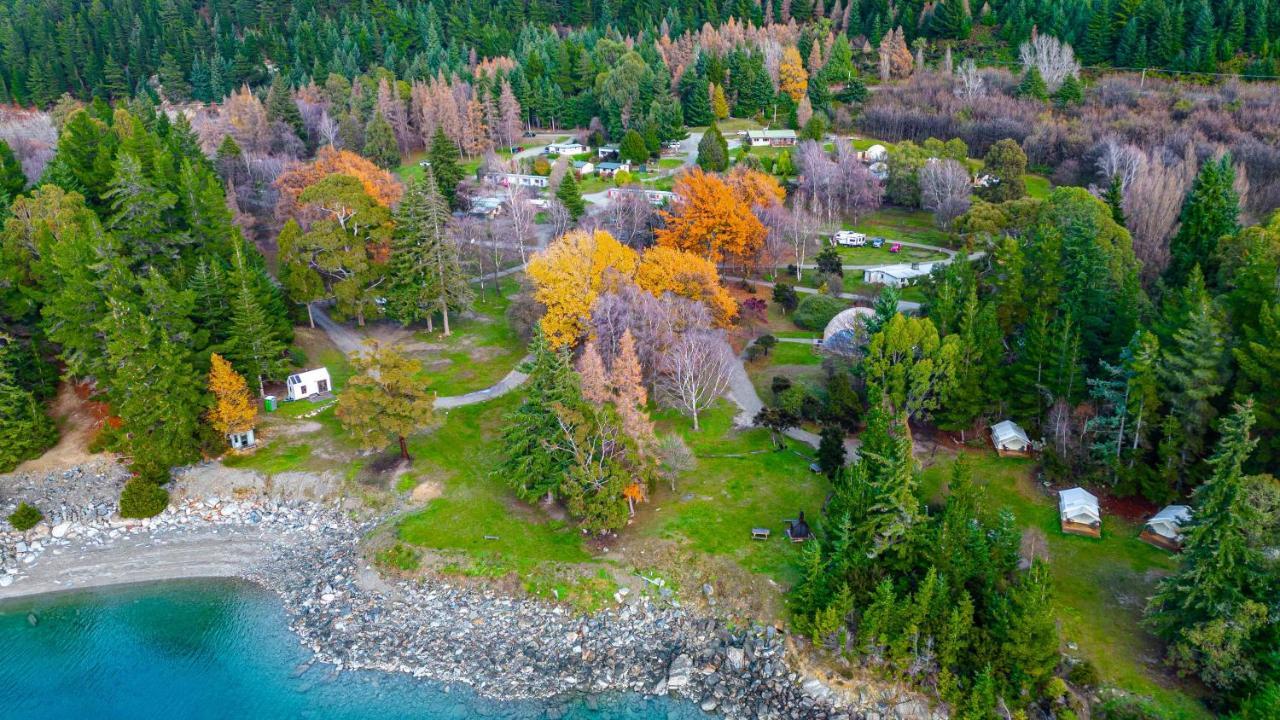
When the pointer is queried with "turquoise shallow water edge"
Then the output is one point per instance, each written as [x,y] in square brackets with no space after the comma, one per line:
[215,650]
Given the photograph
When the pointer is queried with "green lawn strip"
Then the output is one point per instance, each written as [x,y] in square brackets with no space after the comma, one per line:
[1038,186]
[902,224]
[462,454]
[670,163]
[273,458]
[482,349]
[1100,585]
[789,353]
[732,495]
[730,126]
[869,255]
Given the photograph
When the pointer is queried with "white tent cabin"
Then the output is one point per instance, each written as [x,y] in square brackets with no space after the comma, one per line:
[1010,439]
[1078,510]
[311,382]
[1164,529]
[242,440]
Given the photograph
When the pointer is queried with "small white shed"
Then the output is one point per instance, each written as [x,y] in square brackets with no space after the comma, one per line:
[1164,529]
[1010,439]
[1078,510]
[308,383]
[241,440]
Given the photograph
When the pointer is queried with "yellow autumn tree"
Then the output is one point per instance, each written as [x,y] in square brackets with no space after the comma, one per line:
[569,275]
[792,77]
[755,188]
[234,410]
[719,103]
[711,221]
[667,269]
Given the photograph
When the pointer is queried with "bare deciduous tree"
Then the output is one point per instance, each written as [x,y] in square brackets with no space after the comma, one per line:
[797,229]
[1122,160]
[519,218]
[696,371]
[1055,59]
[1152,203]
[944,190]
[631,218]
[971,82]
[327,130]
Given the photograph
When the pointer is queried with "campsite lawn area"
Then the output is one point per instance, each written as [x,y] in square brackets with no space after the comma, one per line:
[740,482]
[482,349]
[868,255]
[894,223]
[1100,586]
[476,514]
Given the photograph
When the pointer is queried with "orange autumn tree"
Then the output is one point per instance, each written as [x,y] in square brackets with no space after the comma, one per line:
[379,184]
[234,410]
[665,269]
[755,188]
[792,78]
[711,221]
[570,274]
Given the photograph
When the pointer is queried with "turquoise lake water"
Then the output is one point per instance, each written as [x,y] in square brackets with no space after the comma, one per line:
[214,650]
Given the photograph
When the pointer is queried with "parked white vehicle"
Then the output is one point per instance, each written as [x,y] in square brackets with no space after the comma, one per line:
[849,238]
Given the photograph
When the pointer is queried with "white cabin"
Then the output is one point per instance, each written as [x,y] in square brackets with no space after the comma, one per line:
[1165,527]
[567,148]
[311,382]
[1010,439]
[770,138]
[1078,510]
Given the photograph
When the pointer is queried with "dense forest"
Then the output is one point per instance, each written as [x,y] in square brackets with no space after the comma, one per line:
[205,50]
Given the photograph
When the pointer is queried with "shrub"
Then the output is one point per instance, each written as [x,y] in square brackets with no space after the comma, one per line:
[398,557]
[25,517]
[1083,674]
[766,343]
[779,384]
[142,499]
[815,311]
[755,352]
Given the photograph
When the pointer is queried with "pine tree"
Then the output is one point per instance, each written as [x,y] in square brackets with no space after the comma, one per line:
[27,428]
[253,344]
[695,99]
[233,410]
[380,144]
[533,463]
[633,148]
[1114,198]
[1032,85]
[12,179]
[384,399]
[569,195]
[1210,212]
[831,452]
[138,211]
[443,156]
[154,390]
[426,273]
[1258,356]
[281,108]
[1193,373]
[1068,93]
[713,151]
[1212,611]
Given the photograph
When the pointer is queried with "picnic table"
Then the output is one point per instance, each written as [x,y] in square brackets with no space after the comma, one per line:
[759,533]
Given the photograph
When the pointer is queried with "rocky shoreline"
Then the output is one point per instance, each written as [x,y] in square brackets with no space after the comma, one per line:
[502,647]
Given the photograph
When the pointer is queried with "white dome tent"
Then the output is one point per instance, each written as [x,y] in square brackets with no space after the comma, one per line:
[846,333]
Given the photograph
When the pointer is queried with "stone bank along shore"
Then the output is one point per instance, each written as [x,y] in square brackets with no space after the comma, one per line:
[502,647]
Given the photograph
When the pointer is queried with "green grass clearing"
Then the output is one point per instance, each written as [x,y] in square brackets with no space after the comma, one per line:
[1100,585]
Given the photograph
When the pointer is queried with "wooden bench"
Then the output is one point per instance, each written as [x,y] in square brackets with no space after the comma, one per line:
[759,533]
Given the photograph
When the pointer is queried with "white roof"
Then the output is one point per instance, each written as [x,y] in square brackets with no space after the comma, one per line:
[1007,430]
[306,375]
[901,272]
[1078,505]
[1170,517]
[783,134]
[846,320]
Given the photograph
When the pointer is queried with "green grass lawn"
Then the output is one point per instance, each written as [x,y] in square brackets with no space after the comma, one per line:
[789,353]
[895,223]
[1100,585]
[1038,186]
[461,454]
[670,163]
[482,349]
[410,169]
[730,126]
[868,255]
[715,507]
